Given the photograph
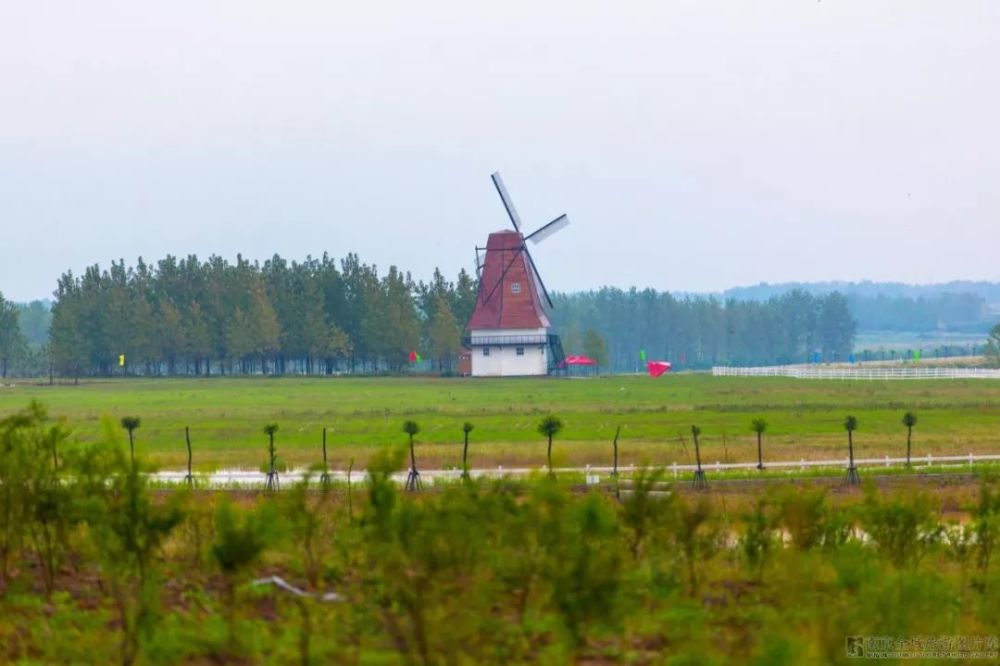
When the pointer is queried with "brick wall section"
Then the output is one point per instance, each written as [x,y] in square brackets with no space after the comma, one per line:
[500,305]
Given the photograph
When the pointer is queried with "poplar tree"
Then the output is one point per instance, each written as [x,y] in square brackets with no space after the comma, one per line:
[595,347]
[267,331]
[445,335]
[11,340]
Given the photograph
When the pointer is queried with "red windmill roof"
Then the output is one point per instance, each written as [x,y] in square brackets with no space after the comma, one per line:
[499,303]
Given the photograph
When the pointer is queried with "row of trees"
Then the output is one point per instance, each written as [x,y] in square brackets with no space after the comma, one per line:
[187,316]
[902,313]
[888,306]
[209,317]
[549,426]
[988,291]
[700,332]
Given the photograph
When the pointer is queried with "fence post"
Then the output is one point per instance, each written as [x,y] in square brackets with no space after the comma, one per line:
[675,469]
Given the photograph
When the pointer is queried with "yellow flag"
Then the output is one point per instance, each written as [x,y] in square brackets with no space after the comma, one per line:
[121,360]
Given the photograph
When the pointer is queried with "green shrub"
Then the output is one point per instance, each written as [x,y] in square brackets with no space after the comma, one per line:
[903,530]
[758,540]
[37,510]
[127,529]
[240,539]
[986,518]
[808,521]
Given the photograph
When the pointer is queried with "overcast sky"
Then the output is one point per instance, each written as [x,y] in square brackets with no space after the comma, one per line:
[695,145]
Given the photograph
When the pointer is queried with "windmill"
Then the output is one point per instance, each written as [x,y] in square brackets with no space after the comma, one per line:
[509,328]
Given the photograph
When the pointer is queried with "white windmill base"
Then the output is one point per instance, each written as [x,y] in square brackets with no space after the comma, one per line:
[510,353]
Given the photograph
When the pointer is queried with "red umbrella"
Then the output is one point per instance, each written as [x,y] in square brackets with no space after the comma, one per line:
[657,368]
[579,360]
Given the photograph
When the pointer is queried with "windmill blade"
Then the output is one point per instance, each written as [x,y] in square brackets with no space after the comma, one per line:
[538,278]
[507,203]
[555,225]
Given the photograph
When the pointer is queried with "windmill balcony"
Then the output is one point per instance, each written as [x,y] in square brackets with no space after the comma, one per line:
[507,340]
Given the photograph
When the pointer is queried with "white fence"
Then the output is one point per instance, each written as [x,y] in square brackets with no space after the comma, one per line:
[253,478]
[869,373]
[802,465]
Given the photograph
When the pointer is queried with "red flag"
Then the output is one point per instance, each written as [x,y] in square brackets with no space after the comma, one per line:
[657,368]
[413,356]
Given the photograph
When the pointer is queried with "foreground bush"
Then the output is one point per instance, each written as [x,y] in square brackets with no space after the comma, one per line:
[100,568]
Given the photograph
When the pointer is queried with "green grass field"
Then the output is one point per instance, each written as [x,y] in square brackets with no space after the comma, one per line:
[805,417]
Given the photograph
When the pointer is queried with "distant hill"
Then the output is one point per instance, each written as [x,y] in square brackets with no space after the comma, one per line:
[988,291]
[958,307]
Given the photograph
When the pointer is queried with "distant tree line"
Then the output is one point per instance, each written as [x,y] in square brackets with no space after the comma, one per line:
[187,316]
[34,319]
[320,316]
[992,351]
[698,332]
[970,307]
[952,312]
[988,291]
[24,336]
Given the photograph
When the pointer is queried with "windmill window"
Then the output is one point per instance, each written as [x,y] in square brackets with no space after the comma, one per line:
[486,351]
[520,351]
[515,287]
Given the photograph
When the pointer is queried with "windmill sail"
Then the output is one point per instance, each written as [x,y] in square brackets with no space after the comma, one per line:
[507,203]
[555,225]
[540,289]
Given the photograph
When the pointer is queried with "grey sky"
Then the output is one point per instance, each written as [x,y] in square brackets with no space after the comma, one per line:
[695,145]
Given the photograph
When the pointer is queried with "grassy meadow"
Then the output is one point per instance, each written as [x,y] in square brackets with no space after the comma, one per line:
[804,417]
